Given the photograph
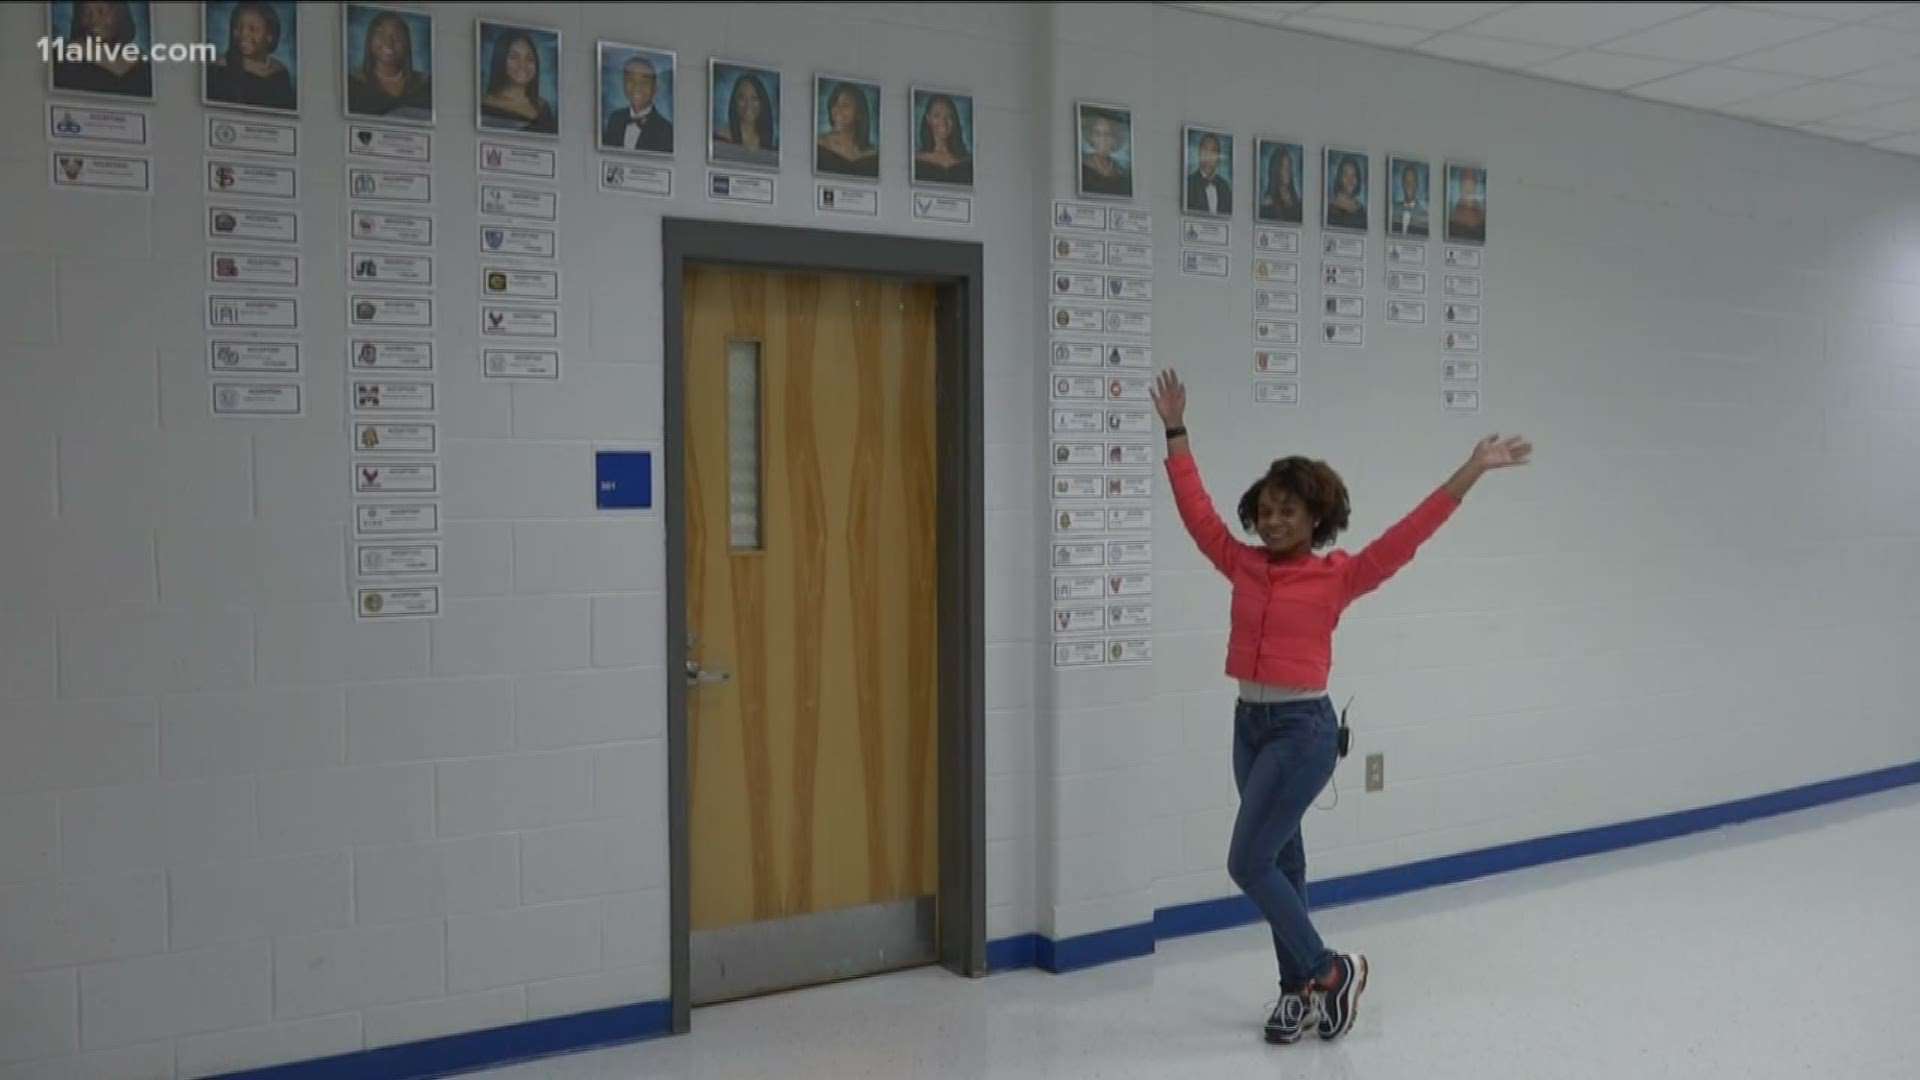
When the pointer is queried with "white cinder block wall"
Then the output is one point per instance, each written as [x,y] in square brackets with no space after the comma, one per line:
[1703,590]
[238,829]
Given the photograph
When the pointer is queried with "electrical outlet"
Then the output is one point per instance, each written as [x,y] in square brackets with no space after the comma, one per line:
[1376,772]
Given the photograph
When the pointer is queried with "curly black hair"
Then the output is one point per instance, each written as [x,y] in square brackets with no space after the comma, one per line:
[1315,484]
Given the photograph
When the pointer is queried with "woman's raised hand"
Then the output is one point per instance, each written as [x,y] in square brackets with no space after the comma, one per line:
[1170,398]
[1493,452]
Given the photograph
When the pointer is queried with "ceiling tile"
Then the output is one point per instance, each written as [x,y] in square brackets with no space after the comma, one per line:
[1836,52]
[1576,26]
[1716,34]
[1845,12]
[1816,101]
[1901,144]
[1904,74]
[1371,33]
[1907,18]
[1263,13]
[1846,131]
[1606,71]
[1712,87]
[1490,51]
[1900,116]
[1435,16]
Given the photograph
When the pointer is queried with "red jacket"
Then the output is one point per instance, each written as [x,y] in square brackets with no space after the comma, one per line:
[1284,610]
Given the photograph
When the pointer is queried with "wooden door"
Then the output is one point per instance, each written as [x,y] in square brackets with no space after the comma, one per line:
[809,480]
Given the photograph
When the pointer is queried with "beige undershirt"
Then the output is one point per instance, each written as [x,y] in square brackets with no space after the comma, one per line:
[1262,693]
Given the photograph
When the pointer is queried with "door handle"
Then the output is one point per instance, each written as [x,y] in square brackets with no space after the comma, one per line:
[696,676]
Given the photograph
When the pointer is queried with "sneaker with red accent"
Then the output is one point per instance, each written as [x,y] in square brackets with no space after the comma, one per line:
[1339,994]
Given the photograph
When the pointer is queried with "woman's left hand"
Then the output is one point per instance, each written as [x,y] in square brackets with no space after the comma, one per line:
[1493,452]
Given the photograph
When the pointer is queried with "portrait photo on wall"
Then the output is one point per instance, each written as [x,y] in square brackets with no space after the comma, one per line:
[1466,203]
[517,70]
[1344,185]
[1281,169]
[115,24]
[944,140]
[387,60]
[744,122]
[846,127]
[635,95]
[1206,167]
[257,65]
[1103,144]
[1409,198]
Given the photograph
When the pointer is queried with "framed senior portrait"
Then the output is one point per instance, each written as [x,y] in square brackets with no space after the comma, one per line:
[1280,169]
[846,127]
[517,76]
[944,138]
[104,24]
[634,94]
[1206,171]
[1466,203]
[1103,146]
[743,123]
[257,61]
[1409,198]
[1343,188]
[387,63]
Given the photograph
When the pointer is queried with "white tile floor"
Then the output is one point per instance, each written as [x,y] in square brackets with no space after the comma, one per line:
[1783,948]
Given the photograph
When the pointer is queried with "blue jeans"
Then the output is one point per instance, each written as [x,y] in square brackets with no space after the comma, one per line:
[1283,755]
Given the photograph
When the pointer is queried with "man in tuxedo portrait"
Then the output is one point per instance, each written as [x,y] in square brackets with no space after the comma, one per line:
[639,126]
[1208,192]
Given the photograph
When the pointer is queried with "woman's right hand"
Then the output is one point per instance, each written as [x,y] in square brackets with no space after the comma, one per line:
[1170,398]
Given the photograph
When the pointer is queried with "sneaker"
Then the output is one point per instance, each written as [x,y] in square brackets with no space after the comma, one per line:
[1290,1017]
[1340,1005]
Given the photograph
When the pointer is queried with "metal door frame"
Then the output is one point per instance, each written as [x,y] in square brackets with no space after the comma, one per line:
[955,269]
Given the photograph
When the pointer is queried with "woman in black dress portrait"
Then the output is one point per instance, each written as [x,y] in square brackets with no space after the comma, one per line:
[107,22]
[511,100]
[248,73]
[940,151]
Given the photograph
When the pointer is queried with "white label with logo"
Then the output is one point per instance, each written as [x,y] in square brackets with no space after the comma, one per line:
[253,136]
[388,227]
[256,399]
[226,177]
[534,364]
[237,356]
[367,354]
[396,311]
[123,127]
[387,144]
[246,223]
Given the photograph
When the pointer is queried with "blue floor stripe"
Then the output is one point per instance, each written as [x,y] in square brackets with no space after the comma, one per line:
[482,1049]
[632,1023]
[1209,915]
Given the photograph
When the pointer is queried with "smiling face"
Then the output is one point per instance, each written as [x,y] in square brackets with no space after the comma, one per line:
[1102,137]
[97,20]
[941,122]
[640,80]
[1349,178]
[252,35]
[1209,155]
[751,105]
[1283,522]
[387,43]
[523,64]
[842,112]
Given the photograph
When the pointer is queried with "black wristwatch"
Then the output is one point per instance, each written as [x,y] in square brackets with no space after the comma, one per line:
[1176,432]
